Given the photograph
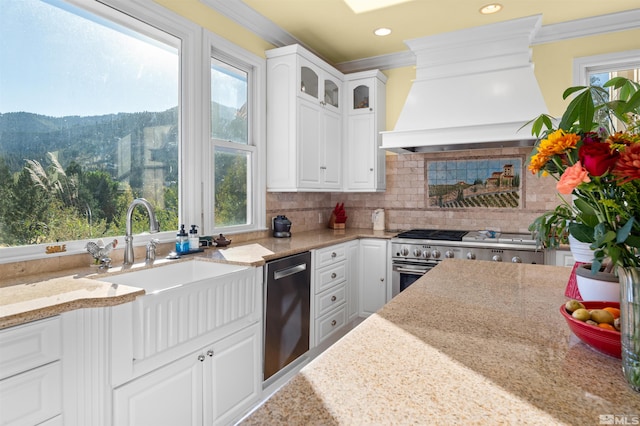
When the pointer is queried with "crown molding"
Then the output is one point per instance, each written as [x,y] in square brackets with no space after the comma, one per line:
[247,17]
[596,25]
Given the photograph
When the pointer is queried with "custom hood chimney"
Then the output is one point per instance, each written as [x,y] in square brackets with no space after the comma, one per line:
[474,88]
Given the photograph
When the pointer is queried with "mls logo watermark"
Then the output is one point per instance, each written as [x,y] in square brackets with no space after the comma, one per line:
[619,419]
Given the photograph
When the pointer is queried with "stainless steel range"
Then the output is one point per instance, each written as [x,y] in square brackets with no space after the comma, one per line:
[415,252]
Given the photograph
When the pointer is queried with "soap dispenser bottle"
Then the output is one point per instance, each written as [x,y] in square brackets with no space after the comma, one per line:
[194,240]
[182,241]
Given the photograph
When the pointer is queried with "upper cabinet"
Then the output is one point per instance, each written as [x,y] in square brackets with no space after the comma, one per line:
[319,86]
[304,122]
[364,167]
[322,126]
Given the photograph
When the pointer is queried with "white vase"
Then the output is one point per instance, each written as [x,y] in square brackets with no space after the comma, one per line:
[580,251]
[603,286]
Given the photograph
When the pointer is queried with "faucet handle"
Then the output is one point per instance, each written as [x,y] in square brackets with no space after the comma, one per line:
[151,249]
[105,263]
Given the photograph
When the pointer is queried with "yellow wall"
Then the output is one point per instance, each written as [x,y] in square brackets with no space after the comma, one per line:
[219,24]
[554,61]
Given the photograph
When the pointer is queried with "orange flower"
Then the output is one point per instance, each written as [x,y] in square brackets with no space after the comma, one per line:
[628,165]
[571,178]
[556,143]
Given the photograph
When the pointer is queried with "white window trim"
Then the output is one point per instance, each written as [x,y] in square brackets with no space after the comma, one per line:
[220,48]
[607,62]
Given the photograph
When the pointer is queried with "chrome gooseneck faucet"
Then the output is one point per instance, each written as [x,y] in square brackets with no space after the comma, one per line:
[154,227]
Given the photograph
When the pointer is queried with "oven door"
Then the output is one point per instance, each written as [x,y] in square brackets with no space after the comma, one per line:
[405,273]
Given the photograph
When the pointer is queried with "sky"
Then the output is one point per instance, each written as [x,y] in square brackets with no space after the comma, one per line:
[56,63]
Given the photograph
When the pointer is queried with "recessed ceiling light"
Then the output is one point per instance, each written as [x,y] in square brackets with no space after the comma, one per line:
[382,32]
[490,8]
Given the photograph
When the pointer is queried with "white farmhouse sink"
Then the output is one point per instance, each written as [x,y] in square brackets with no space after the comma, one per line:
[189,300]
[164,277]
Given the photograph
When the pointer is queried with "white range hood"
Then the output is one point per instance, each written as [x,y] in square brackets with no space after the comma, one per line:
[474,88]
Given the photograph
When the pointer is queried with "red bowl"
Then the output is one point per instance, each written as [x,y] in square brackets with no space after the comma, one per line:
[600,339]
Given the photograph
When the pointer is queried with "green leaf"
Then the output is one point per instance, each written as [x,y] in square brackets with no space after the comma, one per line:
[623,233]
[584,206]
[571,90]
[581,232]
[633,104]
[580,110]
[633,241]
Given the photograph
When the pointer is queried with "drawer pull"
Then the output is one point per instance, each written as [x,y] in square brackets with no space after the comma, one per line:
[201,358]
[210,352]
[333,298]
[333,275]
[333,254]
[333,323]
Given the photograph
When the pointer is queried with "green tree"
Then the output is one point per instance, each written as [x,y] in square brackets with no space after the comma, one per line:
[231,189]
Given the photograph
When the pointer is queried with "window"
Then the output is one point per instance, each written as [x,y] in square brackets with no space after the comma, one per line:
[94,112]
[88,121]
[597,70]
[236,196]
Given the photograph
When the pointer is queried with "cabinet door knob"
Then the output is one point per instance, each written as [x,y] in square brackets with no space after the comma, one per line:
[333,254]
[333,298]
[333,323]
[210,352]
[381,279]
[333,275]
[201,358]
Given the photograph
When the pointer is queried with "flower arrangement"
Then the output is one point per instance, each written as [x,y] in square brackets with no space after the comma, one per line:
[599,166]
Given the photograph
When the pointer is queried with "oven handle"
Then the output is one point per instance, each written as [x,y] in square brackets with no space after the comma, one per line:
[420,271]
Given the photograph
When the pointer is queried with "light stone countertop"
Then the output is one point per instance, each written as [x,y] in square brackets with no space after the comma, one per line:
[29,297]
[469,343]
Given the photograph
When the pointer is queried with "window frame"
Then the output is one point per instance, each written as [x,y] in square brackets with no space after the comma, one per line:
[220,49]
[602,63]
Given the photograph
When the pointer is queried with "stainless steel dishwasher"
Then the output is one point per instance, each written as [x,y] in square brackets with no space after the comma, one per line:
[286,311]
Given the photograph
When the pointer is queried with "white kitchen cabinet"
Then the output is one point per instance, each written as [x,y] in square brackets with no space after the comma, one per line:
[373,275]
[31,373]
[329,295]
[209,386]
[304,122]
[364,165]
[353,280]
[562,258]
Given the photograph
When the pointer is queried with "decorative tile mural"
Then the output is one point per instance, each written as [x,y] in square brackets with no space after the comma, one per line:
[479,183]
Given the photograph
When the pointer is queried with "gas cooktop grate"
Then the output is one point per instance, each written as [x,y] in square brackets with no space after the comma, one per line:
[433,234]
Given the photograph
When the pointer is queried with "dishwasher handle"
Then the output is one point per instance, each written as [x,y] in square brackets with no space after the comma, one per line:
[289,271]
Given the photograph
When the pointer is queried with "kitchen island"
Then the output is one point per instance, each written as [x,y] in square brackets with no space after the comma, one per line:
[470,342]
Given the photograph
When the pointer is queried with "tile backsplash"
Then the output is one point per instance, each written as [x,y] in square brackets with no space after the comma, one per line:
[406,204]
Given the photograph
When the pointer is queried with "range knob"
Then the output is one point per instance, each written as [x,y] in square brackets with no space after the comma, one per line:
[516,259]
[426,254]
[449,254]
[417,252]
[404,251]
[471,256]
[435,254]
[496,258]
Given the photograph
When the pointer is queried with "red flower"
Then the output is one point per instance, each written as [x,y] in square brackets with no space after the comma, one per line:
[597,157]
[628,167]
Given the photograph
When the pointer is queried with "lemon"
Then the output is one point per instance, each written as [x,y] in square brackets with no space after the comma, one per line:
[572,305]
[601,316]
[581,314]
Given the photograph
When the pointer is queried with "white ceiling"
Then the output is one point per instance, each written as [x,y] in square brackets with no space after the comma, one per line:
[331,29]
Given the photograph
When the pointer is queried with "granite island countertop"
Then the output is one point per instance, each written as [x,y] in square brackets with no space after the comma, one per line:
[469,343]
[26,297]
